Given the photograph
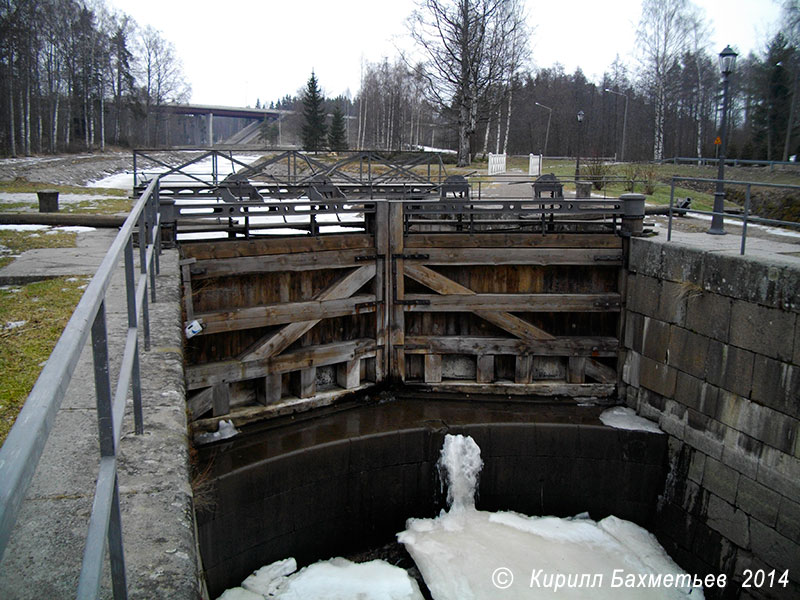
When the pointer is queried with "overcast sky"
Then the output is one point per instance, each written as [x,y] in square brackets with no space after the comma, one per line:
[236,51]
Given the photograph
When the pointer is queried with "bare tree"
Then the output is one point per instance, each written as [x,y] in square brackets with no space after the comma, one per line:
[664,31]
[791,17]
[467,45]
[162,72]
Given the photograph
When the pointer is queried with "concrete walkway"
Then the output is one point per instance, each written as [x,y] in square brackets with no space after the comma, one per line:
[44,556]
[761,244]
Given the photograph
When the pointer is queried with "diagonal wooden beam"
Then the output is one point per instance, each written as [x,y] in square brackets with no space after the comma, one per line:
[278,341]
[600,372]
[506,321]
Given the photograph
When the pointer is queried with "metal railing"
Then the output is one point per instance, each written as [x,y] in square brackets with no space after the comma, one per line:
[26,441]
[294,167]
[288,217]
[501,214]
[733,162]
[745,217]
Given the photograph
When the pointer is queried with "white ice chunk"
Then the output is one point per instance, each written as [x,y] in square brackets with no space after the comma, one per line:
[267,580]
[466,554]
[621,417]
[238,593]
[225,430]
[341,579]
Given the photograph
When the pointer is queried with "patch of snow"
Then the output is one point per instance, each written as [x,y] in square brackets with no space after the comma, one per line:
[74,228]
[621,417]
[24,227]
[117,181]
[785,232]
[201,169]
[14,324]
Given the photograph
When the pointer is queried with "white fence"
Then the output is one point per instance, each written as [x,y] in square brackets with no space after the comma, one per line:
[534,165]
[497,163]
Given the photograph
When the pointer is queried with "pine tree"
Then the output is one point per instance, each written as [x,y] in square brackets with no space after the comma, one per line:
[337,135]
[314,128]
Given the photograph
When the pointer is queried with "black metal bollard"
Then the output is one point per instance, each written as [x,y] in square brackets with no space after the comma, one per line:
[48,201]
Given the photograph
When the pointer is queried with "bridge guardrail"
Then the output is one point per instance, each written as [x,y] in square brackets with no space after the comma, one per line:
[26,441]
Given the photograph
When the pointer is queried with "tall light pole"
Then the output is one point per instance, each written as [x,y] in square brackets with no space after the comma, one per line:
[547,132]
[727,60]
[624,122]
[579,116]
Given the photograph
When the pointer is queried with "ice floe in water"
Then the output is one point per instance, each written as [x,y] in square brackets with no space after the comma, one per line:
[621,417]
[467,554]
[334,579]
[225,430]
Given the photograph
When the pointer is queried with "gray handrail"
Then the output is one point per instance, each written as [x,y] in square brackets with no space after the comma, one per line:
[25,443]
[745,217]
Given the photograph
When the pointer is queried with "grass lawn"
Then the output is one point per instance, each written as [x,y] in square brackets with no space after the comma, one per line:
[14,242]
[32,318]
[660,176]
[115,201]
[21,185]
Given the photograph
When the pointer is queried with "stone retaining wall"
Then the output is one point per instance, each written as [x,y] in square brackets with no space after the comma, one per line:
[712,353]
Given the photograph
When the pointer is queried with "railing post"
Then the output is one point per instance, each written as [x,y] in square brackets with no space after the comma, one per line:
[89,585]
[744,219]
[671,203]
[136,382]
[143,272]
[152,208]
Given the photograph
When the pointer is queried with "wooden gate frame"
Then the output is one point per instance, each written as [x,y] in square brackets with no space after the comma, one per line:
[386,255]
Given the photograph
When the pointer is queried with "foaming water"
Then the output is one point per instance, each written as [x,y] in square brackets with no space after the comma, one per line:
[467,554]
[460,466]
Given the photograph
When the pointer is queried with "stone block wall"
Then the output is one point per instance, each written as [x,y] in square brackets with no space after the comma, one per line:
[712,353]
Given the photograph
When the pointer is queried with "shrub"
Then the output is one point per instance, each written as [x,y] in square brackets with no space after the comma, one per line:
[597,172]
[630,171]
[649,175]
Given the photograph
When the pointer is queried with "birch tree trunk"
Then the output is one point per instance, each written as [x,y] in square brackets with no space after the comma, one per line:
[102,118]
[12,138]
[508,122]
[658,126]
[497,140]
[54,133]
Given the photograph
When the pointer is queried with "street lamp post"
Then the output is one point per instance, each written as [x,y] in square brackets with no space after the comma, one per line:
[624,122]
[579,116]
[727,60]
[547,132]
